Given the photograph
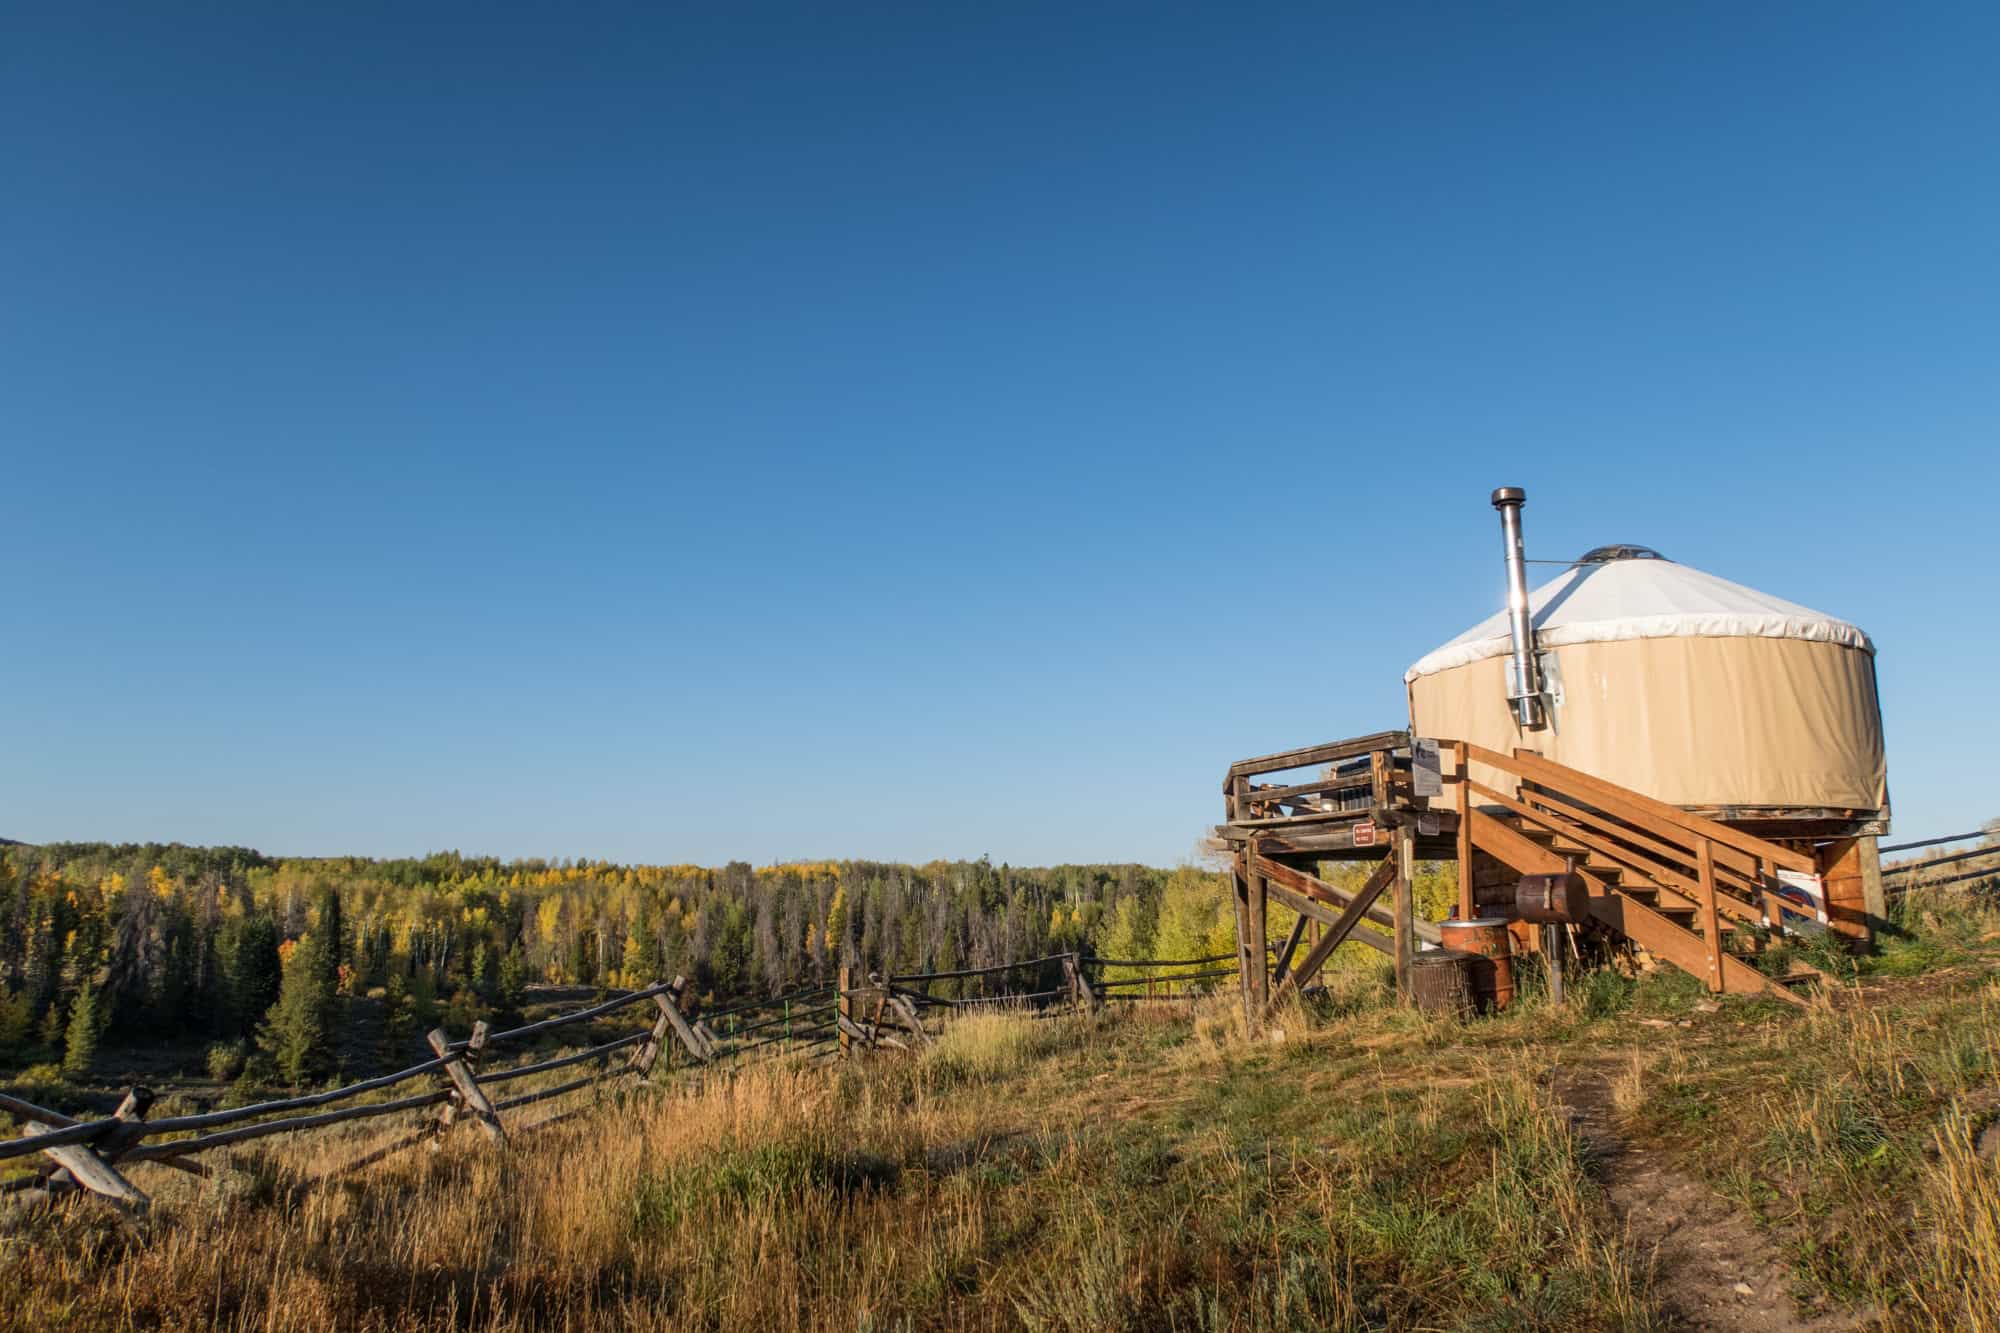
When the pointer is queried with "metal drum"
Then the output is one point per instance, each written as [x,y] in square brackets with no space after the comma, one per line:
[1553,900]
[1485,938]
[1441,982]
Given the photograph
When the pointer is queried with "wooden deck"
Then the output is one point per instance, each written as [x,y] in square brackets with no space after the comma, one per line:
[1682,885]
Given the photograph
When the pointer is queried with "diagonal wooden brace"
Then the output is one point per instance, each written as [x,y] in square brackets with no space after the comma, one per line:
[670,1010]
[1338,932]
[470,1096]
[88,1165]
[648,1053]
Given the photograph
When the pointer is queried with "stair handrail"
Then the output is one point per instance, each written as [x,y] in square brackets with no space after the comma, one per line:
[1532,767]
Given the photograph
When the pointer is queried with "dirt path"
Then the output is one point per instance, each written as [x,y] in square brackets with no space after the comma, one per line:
[1711,1268]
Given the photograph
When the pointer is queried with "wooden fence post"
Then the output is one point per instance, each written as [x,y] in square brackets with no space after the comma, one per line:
[462,1078]
[844,1014]
[643,1059]
[670,1010]
[1080,993]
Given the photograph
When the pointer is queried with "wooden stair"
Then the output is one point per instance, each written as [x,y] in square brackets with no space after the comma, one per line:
[1673,883]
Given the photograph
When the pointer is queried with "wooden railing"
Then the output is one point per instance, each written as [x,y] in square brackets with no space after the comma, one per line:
[1689,864]
[1329,796]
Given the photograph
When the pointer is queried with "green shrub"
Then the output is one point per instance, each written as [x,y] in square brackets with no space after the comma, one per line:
[225,1060]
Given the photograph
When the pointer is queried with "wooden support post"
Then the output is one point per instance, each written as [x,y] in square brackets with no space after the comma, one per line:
[470,1096]
[1405,907]
[1464,795]
[1704,852]
[1843,876]
[844,1014]
[1244,963]
[1873,899]
[1256,960]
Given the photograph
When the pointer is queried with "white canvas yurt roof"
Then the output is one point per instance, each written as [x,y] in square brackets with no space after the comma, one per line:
[1641,596]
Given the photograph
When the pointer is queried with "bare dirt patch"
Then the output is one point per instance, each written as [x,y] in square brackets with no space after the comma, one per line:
[1711,1267]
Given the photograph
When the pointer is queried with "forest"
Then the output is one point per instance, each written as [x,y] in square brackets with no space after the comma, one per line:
[290,971]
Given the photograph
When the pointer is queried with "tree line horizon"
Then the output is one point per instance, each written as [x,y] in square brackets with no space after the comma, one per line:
[270,959]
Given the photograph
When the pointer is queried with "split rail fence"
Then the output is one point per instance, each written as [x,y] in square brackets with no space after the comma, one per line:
[93,1157]
[1923,872]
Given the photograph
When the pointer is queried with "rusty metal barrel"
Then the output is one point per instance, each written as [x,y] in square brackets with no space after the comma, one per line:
[1441,982]
[1492,971]
[1559,899]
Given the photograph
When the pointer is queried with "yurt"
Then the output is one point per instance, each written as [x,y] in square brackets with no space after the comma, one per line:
[1670,681]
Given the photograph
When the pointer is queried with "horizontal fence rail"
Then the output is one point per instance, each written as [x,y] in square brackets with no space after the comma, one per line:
[815,1022]
[1920,872]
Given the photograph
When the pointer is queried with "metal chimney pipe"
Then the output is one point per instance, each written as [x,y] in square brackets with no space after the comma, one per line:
[1524,686]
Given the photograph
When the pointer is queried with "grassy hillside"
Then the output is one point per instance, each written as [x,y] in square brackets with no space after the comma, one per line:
[1636,1158]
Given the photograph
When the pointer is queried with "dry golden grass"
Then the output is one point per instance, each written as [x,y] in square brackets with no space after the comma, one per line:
[1147,1170]
[1152,1168]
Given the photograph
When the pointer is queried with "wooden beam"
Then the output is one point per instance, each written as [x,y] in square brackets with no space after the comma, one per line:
[1311,886]
[1463,796]
[1240,884]
[1323,787]
[1284,958]
[1324,917]
[1341,927]
[1405,908]
[1331,752]
[1318,837]
[1256,960]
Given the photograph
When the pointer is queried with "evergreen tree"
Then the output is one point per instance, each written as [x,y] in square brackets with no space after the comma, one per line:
[251,968]
[80,1039]
[296,1033]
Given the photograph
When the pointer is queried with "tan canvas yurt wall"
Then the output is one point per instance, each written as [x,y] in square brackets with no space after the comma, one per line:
[1678,684]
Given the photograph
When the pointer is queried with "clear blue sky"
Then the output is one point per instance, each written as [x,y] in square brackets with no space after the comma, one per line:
[684,433]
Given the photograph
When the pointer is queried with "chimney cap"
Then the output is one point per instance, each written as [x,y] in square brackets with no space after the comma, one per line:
[1509,495]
